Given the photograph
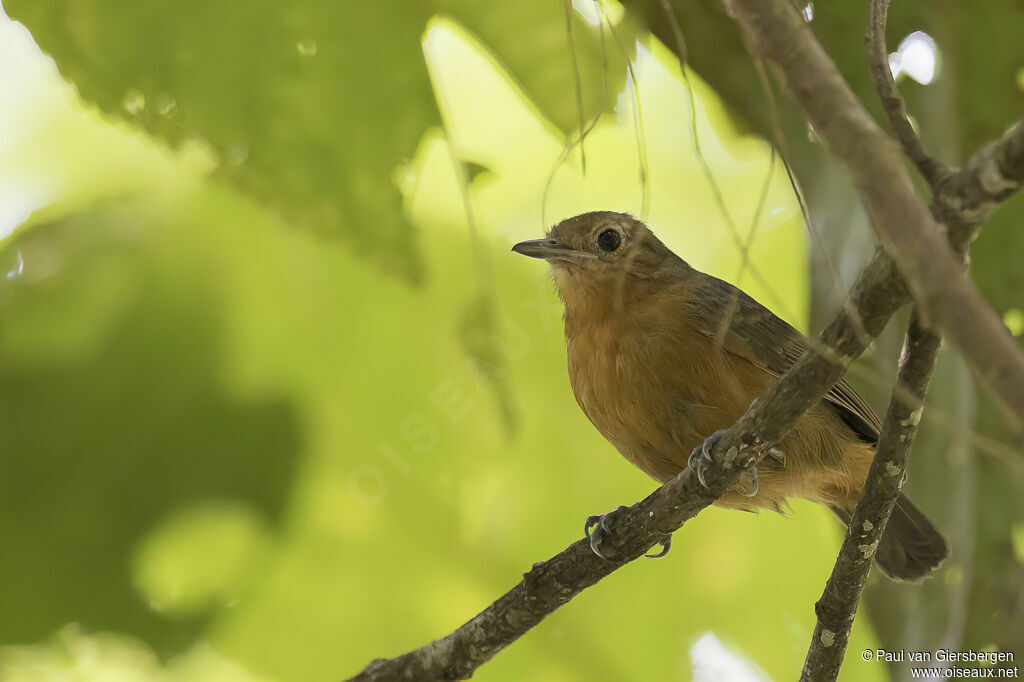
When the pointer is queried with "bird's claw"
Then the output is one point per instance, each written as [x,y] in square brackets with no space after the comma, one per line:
[595,529]
[595,536]
[700,458]
[666,545]
[747,483]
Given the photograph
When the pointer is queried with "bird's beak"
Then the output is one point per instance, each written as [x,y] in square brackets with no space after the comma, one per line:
[548,249]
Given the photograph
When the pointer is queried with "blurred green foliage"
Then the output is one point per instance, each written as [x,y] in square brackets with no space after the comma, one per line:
[233,449]
[294,96]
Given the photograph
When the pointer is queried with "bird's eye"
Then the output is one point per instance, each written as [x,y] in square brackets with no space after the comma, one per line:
[609,240]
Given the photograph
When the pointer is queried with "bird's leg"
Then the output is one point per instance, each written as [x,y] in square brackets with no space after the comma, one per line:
[597,526]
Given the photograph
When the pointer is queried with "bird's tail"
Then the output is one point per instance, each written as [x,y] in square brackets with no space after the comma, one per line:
[911,547]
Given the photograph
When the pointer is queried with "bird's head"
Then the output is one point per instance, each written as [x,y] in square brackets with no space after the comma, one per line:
[599,254]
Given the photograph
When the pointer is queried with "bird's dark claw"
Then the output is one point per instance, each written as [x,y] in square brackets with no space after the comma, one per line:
[666,545]
[700,458]
[747,483]
[596,527]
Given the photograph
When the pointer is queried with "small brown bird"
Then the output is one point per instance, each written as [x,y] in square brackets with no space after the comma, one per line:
[661,356]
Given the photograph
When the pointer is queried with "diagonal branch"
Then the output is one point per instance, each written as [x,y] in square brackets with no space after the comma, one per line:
[946,298]
[967,198]
[877,293]
[963,199]
[551,584]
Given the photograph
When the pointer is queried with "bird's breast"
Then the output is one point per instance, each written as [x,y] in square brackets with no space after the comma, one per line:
[645,389]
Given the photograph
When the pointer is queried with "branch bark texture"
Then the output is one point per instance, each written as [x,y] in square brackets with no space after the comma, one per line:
[991,175]
[946,298]
[838,604]
[965,197]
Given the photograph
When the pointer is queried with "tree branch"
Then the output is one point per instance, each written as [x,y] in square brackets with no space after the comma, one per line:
[946,298]
[838,604]
[963,199]
[878,292]
[892,101]
[903,222]
[967,198]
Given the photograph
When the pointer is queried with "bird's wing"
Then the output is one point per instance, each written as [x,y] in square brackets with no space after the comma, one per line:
[747,329]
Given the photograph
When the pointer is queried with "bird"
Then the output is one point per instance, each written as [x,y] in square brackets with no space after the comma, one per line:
[661,356]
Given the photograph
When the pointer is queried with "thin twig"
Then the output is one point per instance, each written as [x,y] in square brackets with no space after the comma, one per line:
[742,245]
[748,241]
[568,147]
[567,4]
[892,100]
[638,123]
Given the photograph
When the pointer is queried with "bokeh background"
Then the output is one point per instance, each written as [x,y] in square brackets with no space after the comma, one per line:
[275,398]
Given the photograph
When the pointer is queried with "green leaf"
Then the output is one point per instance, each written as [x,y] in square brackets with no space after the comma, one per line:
[309,105]
[531,40]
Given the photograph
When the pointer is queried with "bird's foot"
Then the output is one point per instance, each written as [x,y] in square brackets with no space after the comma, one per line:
[596,529]
[747,484]
[700,458]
